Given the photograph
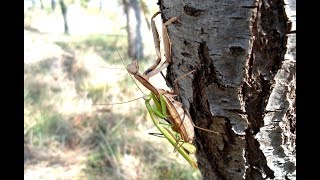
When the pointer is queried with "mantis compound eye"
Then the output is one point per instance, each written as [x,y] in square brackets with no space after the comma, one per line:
[133,67]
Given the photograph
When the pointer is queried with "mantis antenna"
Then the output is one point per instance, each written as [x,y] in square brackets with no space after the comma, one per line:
[120,102]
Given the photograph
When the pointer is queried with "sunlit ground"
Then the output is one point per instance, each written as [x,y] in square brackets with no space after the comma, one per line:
[68,137]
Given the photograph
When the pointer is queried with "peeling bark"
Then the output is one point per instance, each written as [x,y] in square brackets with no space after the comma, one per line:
[244,85]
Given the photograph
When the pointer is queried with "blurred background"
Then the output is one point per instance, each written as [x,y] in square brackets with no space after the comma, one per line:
[71,64]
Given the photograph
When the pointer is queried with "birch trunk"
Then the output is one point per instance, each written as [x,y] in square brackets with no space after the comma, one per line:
[244,85]
[135,45]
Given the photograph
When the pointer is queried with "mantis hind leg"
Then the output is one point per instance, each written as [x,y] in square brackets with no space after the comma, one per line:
[204,129]
[175,82]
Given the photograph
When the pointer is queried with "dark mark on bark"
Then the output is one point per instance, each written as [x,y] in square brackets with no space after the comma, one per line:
[204,55]
[229,132]
[237,50]
[237,111]
[214,54]
[248,7]
[250,66]
[191,11]
[292,32]
[185,54]
[238,37]
[186,43]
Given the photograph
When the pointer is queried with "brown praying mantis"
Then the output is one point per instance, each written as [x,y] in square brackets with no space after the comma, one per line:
[179,133]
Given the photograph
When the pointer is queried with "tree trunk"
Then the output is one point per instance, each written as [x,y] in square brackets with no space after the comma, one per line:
[64,14]
[243,87]
[41,4]
[53,5]
[132,11]
[33,3]
[101,5]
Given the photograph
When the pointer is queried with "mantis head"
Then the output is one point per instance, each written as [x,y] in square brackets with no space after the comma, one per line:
[147,97]
[133,67]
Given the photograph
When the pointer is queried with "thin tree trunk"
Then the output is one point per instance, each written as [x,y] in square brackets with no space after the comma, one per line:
[244,85]
[33,3]
[41,4]
[101,4]
[132,11]
[64,9]
[145,10]
[53,5]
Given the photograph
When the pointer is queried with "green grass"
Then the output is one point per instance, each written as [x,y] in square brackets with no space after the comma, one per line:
[49,128]
[104,157]
[35,95]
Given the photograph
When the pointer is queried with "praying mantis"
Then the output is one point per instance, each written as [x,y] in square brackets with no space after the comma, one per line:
[179,133]
[181,128]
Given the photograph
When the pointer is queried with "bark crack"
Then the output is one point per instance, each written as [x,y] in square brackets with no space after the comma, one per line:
[216,148]
[269,47]
[206,65]
[255,157]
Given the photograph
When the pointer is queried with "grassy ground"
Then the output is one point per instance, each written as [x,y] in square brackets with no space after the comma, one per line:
[66,136]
